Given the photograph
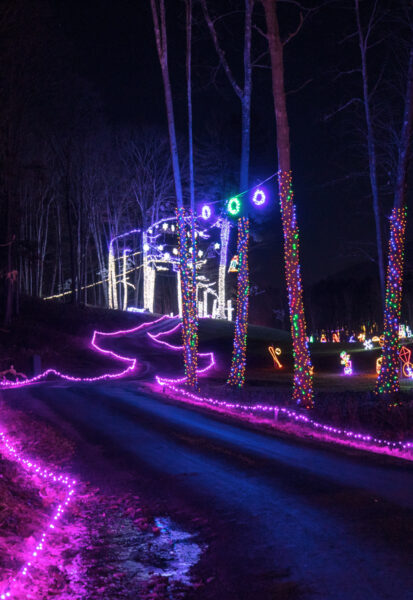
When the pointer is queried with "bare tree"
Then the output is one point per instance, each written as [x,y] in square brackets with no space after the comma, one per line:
[303,387]
[187,263]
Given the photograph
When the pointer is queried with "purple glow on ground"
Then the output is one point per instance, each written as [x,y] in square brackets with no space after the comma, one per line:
[35,469]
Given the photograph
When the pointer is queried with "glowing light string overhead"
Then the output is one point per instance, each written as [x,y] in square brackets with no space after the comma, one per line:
[239,351]
[303,382]
[388,377]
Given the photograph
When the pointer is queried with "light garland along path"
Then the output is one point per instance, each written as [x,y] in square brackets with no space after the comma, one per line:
[130,362]
[9,451]
[321,431]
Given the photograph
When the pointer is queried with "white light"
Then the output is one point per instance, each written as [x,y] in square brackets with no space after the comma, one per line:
[173,227]
[200,253]
[146,247]
[167,256]
[216,246]
[206,212]
[175,251]
[160,247]
[165,226]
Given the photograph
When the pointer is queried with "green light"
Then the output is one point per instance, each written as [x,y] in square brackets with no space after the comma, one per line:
[234,206]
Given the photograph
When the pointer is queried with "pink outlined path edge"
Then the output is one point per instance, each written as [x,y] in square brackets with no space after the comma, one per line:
[130,362]
[320,431]
[33,468]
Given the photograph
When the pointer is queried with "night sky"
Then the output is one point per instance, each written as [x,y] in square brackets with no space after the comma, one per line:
[114,48]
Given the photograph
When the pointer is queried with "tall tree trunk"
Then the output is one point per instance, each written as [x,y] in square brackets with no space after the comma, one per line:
[189,316]
[388,379]
[371,149]
[303,383]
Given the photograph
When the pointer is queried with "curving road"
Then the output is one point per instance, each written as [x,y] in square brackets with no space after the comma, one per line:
[281,519]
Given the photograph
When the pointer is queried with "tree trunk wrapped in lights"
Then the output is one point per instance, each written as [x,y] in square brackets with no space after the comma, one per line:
[238,363]
[303,380]
[189,317]
[388,378]
[303,385]
[187,263]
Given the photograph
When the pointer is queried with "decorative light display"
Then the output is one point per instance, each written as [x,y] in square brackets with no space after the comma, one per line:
[131,362]
[352,340]
[323,338]
[233,265]
[225,229]
[303,383]
[36,470]
[345,360]
[189,313]
[275,353]
[368,344]
[336,337]
[239,351]
[259,197]
[361,337]
[388,378]
[206,212]
[407,367]
[234,206]
[342,436]
[378,364]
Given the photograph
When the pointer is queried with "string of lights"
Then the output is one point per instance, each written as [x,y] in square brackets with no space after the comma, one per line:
[239,351]
[35,469]
[303,381]
[131,362]
[189,311]
[388,377]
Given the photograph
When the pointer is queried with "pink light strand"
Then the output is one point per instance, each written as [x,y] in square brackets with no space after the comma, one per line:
[155,337]
[34,468]
[131,362]
[290,414]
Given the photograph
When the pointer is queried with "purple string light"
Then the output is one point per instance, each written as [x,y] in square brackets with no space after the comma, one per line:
[38,470]
[131,362]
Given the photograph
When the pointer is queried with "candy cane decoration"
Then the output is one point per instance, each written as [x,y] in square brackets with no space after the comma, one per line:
[275,353]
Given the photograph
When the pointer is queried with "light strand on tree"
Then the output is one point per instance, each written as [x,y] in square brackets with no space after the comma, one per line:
[189,312]
[239,351]
[388,377]
[303,381]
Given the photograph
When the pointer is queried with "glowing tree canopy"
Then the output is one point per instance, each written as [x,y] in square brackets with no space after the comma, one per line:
[388,377]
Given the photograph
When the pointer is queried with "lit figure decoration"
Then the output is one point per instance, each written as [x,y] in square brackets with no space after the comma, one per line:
[206,212]
[352,340]
[233,265]
[361,337]
[378,364]
[336,337]
[345,360]
[407,367]
[189,314]
[388,378]
[239,351]
[368,344]
[259,197]
[323,338]
[303,382]
[234,206]
[275,353]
